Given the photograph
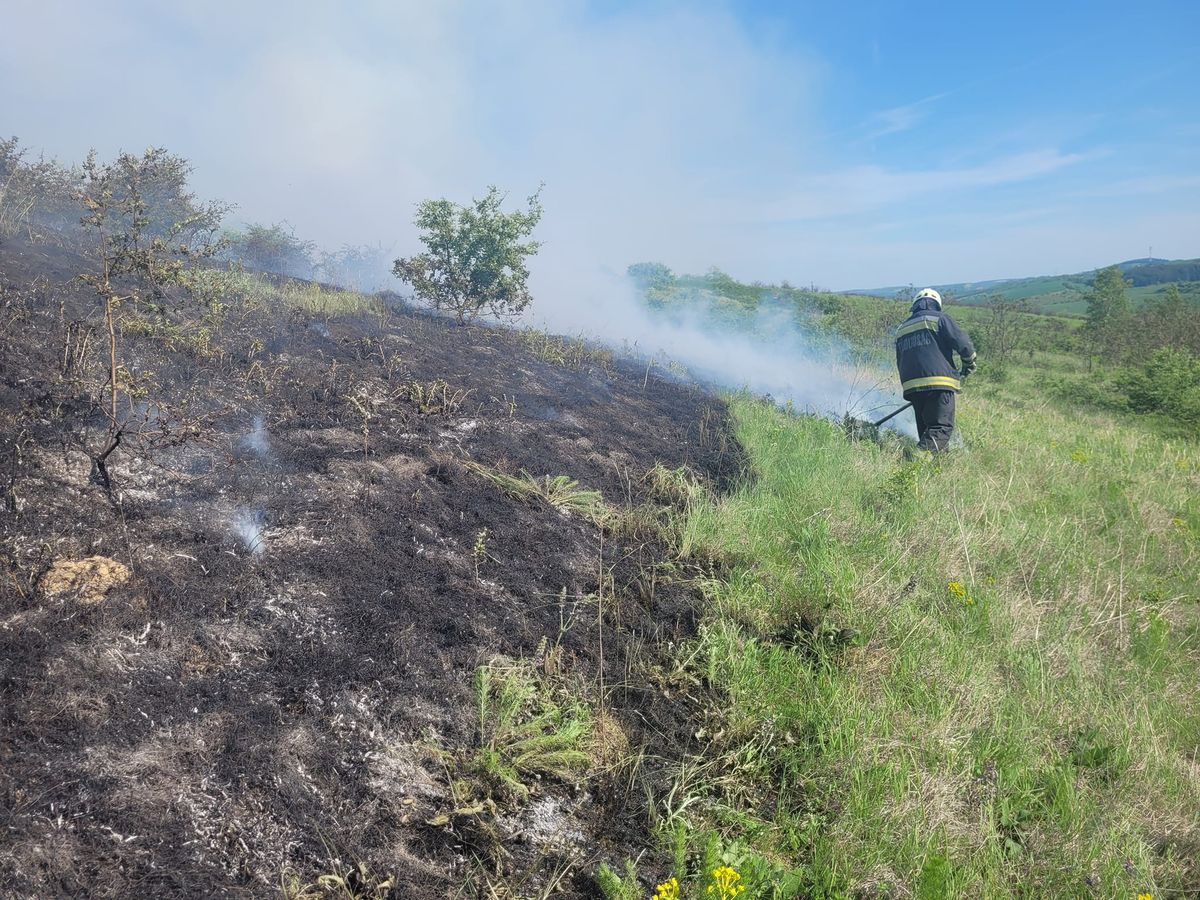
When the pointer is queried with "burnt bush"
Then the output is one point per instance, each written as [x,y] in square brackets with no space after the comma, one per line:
[272,248]
[35,195]
[146,231]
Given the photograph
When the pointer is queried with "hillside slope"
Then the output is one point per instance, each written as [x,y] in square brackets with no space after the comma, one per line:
[376,606]
[256,659]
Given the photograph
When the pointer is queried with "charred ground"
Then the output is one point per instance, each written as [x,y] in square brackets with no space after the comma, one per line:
[275,680]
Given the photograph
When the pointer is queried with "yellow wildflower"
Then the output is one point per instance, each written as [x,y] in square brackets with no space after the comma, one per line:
[1079,456]
[959,592]
[1145,895]
[724,883]
[668,890]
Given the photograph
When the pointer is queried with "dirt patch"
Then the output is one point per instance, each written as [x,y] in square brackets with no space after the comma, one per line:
[316,590]
[87,581]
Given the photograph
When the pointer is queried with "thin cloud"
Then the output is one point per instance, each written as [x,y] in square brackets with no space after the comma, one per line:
[900,118]
[1140,187]
[858,189]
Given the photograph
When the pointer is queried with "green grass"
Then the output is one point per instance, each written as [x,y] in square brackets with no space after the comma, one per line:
[525,731]
[304,295]
[1031,734]
[572,353]
[560,491]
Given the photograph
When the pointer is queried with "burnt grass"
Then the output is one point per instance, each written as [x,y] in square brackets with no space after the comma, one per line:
[275,690]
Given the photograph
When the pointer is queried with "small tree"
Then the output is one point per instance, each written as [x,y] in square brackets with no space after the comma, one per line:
[148,229]
[1170,321]
[1108,311]
[651,275]
[1004,331]
[475,257]
[654,281]
[1168,382]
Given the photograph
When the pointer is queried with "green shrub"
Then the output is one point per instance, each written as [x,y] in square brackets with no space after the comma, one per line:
[475,256]
[1093,391]
[1168,383]
[525,732]
[614,886]
[648,275]
[273,248]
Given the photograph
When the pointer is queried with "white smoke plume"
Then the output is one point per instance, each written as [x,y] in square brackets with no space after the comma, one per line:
[250,527]
[774,354]
[696,133]
[257,440]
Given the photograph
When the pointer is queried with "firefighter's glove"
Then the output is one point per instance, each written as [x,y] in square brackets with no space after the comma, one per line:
[969,366]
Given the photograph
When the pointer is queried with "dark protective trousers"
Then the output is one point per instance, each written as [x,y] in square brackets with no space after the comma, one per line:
[935,419]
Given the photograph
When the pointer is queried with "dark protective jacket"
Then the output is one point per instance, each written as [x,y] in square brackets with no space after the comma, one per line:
[925,348]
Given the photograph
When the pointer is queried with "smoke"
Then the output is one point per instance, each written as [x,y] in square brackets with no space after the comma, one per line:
[257,440]
[250,527]
[695,133]
[685,132]
[366,269]
[774,352]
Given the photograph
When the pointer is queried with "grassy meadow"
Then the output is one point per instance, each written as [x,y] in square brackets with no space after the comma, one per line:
[974,676]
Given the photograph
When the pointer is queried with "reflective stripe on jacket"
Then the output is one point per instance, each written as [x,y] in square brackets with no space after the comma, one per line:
[925,346]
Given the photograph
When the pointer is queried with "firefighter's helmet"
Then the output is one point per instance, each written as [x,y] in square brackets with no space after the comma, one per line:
[931,294]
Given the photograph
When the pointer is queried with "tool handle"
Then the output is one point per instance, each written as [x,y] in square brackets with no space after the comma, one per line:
[892,414]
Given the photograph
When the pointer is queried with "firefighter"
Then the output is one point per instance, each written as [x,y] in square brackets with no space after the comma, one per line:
[925,348]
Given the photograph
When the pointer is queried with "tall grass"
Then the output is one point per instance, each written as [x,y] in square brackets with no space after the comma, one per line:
[305,295]
[971,677]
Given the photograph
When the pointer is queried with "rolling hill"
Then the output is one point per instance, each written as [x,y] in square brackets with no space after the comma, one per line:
[1066,294]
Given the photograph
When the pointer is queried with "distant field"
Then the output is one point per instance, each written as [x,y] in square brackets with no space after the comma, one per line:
[1065,295]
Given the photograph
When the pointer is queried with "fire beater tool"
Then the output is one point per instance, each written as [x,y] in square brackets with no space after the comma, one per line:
[861,428]
[892,414]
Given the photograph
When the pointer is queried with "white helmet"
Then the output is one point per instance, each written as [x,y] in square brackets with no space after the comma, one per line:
[931,294]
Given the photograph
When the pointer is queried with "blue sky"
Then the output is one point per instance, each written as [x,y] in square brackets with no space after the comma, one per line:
[853,144]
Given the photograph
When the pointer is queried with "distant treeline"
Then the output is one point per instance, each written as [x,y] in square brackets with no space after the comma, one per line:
[1163,272]
[865,323]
